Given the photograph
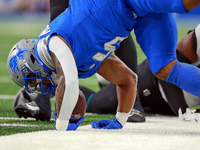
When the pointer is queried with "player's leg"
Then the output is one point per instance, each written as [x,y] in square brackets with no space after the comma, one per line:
[189,52]
[142,8]
[105,101]
[32,105]
[128,54]
[161,52]
[57,7]
[186,52]
[174,96]
[150,95]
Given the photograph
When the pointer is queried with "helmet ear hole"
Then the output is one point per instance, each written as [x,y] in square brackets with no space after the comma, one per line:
[13,49]
[32,59]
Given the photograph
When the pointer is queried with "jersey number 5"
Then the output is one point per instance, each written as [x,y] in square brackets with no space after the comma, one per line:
[109,47]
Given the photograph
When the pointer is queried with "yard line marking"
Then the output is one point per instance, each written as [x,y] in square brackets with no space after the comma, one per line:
[17,125]
[6,97]
[9,118]
[5,79]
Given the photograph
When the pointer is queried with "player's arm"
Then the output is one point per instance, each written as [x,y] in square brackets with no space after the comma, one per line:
[67,90]
[115,71]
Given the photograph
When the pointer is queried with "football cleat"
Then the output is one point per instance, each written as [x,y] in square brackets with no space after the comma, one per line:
[137,113]
[136,116]
[23,97]
[31,110]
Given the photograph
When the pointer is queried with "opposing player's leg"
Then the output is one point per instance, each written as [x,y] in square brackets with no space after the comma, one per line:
[174,95]
[57,7]
[150,95]
[154,91]
[32,105]
[127,53]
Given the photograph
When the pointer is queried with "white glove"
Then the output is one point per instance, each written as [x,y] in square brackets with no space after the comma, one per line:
[189,116]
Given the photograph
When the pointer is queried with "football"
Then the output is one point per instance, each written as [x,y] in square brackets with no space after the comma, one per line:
[79,109]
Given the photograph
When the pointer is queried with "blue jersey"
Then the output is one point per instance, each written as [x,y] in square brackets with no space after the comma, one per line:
[95,28]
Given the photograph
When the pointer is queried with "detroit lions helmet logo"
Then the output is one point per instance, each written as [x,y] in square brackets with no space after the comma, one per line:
[14,60]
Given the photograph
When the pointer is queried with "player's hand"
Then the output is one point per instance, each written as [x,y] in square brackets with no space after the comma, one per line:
[71,126]
[74,126]
[107,124]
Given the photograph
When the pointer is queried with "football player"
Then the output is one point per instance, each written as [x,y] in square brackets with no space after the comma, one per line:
[38,106]
[156,96]
[80,42]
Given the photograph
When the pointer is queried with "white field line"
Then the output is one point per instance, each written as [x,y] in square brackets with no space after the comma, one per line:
[10,97]
[7,97]
[16,125]
[10,118]
[157,133]
[5,79]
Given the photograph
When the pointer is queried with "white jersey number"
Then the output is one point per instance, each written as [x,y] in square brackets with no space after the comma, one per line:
[110,47]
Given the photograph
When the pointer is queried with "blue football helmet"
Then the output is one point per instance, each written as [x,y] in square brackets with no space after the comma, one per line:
[25,71]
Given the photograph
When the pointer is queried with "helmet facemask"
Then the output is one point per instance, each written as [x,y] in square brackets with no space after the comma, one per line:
[39,82]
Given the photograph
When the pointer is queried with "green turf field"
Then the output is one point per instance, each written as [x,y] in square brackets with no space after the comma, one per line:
[11,31]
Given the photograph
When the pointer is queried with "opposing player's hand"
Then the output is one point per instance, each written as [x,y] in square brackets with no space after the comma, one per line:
[71,126]
[107,124]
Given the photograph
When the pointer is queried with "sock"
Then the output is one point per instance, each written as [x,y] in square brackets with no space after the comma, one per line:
[185,76]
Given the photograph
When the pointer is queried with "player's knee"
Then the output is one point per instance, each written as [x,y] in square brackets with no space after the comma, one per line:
[164,72]
[133,79]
